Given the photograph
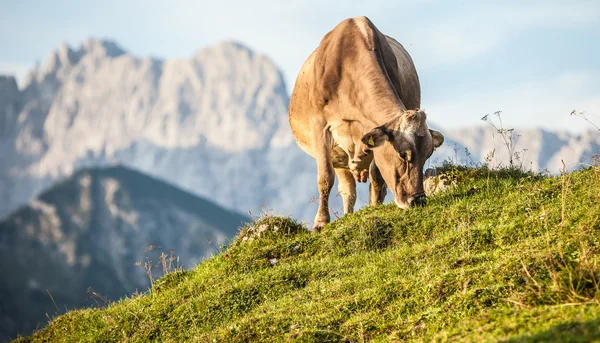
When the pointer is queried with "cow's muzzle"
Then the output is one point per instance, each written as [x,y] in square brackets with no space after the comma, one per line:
[418,200]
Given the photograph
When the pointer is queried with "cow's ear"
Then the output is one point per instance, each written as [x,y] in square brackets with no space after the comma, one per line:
[375,137]
[437,137]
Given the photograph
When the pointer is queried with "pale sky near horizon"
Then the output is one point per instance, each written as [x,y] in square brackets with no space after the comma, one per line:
[534,60]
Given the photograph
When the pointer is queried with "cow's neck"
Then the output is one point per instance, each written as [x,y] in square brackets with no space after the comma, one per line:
[381,102]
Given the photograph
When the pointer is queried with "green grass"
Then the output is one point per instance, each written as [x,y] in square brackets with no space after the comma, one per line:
[506,256]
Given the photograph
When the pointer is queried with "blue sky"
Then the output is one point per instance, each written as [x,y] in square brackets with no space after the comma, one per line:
[534,60]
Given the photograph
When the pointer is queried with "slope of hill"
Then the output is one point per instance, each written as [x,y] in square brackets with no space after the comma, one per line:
[88,231]
[505,256]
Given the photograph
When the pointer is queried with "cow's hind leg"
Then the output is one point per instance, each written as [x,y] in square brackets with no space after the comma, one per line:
[377,188]
[347,188]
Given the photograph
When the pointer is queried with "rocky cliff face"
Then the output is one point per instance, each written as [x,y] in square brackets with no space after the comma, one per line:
[214,124]
[88,231]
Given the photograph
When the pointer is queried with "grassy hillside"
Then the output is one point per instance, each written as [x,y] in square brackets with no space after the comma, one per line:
[505,256]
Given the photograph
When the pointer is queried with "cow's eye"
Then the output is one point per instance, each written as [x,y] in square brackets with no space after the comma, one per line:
[402,155]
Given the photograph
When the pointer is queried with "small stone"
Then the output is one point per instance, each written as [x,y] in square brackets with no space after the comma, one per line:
[437,182]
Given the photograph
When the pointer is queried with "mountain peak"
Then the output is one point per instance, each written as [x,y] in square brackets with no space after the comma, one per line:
[235,51]
[233,44]
[65,57]
[103,47]
[225,51]
[227,45]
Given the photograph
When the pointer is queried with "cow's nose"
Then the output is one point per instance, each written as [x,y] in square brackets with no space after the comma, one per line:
[419,200]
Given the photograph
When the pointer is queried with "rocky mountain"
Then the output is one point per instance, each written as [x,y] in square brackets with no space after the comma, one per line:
[88,231]
[214,124]
[533,149]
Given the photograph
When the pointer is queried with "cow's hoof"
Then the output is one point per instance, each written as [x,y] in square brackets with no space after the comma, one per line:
[364,176]
[361,176]
[318,227]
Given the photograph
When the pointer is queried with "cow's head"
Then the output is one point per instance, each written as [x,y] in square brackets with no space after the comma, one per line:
[400,148]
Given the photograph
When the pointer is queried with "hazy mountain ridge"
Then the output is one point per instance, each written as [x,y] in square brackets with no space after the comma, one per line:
[90,230]
[198,122]
[214,124]
[538,149]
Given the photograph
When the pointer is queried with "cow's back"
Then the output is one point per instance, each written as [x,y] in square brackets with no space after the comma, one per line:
[410,88]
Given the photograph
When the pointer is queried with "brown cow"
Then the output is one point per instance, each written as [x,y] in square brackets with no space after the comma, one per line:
[356,99]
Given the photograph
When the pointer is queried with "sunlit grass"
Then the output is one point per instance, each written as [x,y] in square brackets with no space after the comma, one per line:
[505,255]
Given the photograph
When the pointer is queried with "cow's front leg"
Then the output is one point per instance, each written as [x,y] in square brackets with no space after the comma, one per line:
[325,179]
[347,188]
[377,188]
